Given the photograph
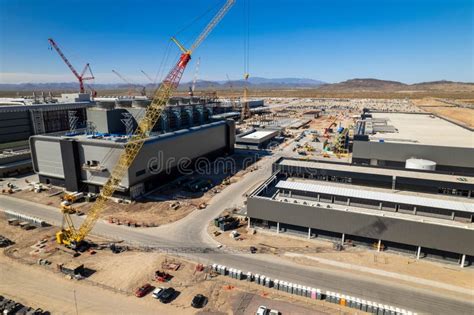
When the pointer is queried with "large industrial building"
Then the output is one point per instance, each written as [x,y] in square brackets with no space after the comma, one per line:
[390,139]
[107,116]
[83,162]
[398,210]
[19,122]
[187,130]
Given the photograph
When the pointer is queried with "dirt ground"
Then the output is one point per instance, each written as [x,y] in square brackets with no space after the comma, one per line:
[166,204]
[269,242]
[464,116]
[123,273]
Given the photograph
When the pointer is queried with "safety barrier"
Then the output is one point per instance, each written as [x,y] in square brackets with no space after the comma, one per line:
[312,293]
[34,221]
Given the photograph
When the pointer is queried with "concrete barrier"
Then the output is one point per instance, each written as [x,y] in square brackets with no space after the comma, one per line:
[312,293]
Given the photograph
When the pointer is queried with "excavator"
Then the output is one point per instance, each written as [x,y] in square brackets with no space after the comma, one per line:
[73,237]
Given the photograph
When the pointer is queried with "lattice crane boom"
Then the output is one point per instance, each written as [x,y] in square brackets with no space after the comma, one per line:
[79,77]
[72,236]
[143,88]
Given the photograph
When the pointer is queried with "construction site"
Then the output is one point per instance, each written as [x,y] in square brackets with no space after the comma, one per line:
[168,199]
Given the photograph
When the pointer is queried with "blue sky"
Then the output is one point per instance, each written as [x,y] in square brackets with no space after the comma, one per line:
[330,40]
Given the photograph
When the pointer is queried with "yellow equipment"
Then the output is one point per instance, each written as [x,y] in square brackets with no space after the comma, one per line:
[72,237]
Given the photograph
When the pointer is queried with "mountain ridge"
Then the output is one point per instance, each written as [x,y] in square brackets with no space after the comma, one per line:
[356,84]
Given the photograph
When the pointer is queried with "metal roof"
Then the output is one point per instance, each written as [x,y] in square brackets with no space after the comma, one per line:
[378,170]
[260,134]
[378,196]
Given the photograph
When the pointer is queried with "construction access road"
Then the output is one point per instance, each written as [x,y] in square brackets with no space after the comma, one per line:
[188,237]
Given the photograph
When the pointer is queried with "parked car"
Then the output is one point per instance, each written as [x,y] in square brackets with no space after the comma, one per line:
[167,295]
[199,301]
[274,312]
[143,290]
[262,310]
[158,292]
[253,249]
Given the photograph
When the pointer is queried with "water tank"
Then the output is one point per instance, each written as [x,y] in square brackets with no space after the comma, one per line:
[420,164]
[123,103]
[139,103]
[105,104]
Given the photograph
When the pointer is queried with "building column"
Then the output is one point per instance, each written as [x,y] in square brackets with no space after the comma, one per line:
[414,210]
[319,197]
[348,201]
[463,260]
[453,215]
[394,182]
[379,245]
[309,233]
[278,227]
[380,206]
[418,252]
[289,193]
[342,238]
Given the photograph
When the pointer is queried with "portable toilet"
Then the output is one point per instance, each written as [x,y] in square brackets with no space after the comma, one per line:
[249,276]
[380,309]
[276,284]
[363,305]
[370,308]
[343,300]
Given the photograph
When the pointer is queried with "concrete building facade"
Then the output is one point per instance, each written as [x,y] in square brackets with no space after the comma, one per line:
[83,163]
[424,225]
[390,139]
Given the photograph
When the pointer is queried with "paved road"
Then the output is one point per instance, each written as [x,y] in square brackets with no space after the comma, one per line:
[189,235]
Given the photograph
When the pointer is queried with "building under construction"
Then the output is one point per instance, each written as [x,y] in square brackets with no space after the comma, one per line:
[393,139]
[427,214]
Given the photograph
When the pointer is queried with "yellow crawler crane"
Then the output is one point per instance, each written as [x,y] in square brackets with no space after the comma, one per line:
[72,237]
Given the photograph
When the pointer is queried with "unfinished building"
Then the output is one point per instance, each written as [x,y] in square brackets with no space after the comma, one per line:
[345,203]
[391,139]
[83,162]
[19,122]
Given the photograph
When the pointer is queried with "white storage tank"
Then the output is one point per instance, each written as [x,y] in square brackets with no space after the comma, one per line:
[420,164]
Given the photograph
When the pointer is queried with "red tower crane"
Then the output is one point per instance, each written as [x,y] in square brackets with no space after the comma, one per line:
[80,77]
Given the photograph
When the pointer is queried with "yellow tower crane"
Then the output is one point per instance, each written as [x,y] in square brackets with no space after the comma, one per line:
[72,237]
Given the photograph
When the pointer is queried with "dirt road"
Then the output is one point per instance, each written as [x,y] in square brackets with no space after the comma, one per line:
[37,288]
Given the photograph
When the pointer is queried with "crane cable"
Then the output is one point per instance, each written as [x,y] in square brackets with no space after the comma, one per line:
[246,39]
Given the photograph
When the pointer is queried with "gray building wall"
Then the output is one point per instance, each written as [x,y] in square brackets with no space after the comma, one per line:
[456,159]
[15,126]
[440,237]
[159,154]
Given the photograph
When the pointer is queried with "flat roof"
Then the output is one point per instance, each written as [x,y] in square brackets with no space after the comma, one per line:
[377,196]
[423,129]
[260,134]
[379,171]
